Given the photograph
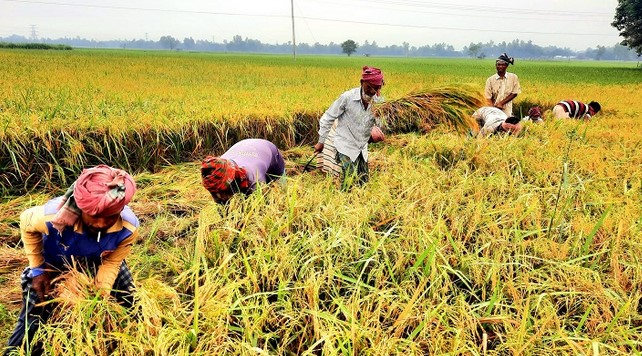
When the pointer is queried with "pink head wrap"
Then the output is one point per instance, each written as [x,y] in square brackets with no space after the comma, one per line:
[372,75]
[100,191]
[103,191]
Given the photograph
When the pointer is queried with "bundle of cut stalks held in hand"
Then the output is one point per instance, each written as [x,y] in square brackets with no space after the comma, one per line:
[424,109]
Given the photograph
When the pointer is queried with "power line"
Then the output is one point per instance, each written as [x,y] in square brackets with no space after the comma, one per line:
[305,17]
[141,8]
[453,28]
[461,11]
[476,8]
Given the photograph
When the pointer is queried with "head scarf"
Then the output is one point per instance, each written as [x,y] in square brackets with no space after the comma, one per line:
[372,75]
[100,191]
[218,174]
[504,58]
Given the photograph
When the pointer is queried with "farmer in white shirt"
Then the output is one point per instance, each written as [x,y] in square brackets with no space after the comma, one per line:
[355,121]
[493,120]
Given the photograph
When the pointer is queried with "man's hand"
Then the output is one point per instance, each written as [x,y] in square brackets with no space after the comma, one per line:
[42,285]
[318,147]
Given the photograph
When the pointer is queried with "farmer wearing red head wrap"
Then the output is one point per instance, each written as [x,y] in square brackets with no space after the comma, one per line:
[241,168]
[355,126]
[90,224]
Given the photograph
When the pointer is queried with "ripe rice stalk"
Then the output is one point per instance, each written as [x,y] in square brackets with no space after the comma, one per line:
[424,109]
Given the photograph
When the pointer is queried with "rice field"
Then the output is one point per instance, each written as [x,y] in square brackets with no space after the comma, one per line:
[507,245]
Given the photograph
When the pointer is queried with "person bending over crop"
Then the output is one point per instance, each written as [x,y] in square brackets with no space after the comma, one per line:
[91,224]
[503,87]
[241,168]
[492,120]
[571,109]
[355,121]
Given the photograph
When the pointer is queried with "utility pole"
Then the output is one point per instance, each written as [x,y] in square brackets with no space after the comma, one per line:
[293,37]
[34,33]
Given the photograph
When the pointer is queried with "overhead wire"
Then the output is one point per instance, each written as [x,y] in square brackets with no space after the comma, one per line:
[397,2]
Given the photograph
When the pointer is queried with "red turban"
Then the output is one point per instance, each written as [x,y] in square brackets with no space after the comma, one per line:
[372,75]
[219,173]
[103,191]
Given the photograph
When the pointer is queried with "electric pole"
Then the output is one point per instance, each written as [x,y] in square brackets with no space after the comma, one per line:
[293,37]
[34,33]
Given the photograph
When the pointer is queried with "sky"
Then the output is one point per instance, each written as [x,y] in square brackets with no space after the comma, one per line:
[574,24]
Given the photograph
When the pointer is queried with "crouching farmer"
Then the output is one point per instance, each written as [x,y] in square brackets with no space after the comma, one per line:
[93,226]
[492,120]
[241,168]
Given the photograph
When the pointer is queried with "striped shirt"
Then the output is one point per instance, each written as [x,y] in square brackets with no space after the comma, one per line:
[354,124]
[575,109]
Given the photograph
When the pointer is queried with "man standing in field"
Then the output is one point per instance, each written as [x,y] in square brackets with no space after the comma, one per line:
[571,109]
[503,87]
[492,120]
[241,168]
[90,226]
[355,121]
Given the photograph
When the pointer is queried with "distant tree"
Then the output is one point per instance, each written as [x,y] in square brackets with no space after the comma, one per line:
[349,47]
[600,52]
[189,43]
[474,49]
[169,42]
[628,20]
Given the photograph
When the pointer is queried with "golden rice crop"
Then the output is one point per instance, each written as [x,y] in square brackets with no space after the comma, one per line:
[457,245]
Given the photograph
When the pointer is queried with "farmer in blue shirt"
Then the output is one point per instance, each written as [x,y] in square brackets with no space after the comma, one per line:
[90,224]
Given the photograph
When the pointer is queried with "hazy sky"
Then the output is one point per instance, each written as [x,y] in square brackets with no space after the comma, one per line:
[577,24]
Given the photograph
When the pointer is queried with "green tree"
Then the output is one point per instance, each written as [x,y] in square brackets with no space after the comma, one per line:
[628,20]
[349,47]
[474,49]
[169,42]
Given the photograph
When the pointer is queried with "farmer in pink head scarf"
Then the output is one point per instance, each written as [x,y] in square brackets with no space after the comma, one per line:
[91,224]
[351,120]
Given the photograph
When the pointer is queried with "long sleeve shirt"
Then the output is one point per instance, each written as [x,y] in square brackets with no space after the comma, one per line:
[354,124]
[44,244]
[261,159]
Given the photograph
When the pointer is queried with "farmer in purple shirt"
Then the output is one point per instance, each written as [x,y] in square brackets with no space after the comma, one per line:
[245,164]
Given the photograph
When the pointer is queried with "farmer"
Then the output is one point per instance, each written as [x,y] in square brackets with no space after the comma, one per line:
[534,115]
[354,118]
[571,109]
[327,159]
[90,224]
[503,87]
[241,168]
[492,120]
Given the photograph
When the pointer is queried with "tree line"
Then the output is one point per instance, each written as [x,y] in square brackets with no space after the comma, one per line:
[516,48]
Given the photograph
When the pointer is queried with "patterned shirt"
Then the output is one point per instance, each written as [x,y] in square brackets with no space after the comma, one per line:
[489,119]
[260,158]
[575,109]
[498,88]
[354,124]
[44,244]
